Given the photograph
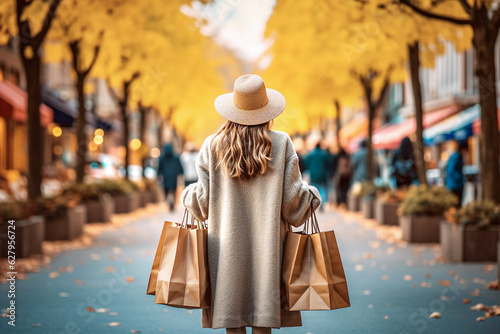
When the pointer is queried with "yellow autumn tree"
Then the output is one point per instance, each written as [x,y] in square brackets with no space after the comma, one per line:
[30,21]
[483,18]
[79,39]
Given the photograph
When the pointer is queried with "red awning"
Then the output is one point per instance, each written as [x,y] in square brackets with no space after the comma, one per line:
[14,104]
[390,137]
[476,126]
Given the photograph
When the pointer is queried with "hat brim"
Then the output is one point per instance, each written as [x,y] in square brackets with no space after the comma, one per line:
[274,107]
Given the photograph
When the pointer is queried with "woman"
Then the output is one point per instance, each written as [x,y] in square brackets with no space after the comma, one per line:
[250,189]
[169,168]
[404,170]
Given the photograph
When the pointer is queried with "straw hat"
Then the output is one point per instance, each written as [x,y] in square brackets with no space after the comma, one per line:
[251,102]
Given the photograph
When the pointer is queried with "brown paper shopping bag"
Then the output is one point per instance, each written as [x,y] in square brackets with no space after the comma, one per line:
[182,279]
[313,274]
[156,262]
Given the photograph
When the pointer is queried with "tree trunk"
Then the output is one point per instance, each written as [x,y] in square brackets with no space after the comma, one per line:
[418,149]
[80,131]
[143,110]
[369,144]
[126,129]
[338,123]
[159,133]
[489,151]
[32,69]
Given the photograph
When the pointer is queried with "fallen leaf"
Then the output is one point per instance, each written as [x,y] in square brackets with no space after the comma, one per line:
[90,309]
[114,324]
[358,267]
[110,269]
[452,273]
[386,317]
[113,313]
[480,319]
[129,260]
[407,277]
[117,250]
[385,277]
[135,331]
[478,307]
[366,292]
[466,301]
[435,315]
[78,281]
[63,294]
[102,310]
[95,256]
[368,255]
[129,279]
[53,274]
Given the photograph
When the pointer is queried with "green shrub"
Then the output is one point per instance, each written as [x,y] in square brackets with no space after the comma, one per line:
[52,207]
[427,201]
[370,190]
[94,190]
[478,213]
[392,196]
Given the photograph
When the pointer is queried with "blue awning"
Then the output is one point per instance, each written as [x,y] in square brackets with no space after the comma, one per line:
[457,127]
[65,114]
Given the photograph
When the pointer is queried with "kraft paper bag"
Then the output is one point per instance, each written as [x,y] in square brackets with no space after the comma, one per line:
[313,274]
[156,262]
[182,279]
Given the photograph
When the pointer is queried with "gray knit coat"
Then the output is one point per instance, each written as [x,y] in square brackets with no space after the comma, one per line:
[247,224]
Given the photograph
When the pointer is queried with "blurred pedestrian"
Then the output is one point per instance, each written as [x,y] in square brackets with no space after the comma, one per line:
[342,176]
[188,161]
[251,191]
[318,165]
[358,164]
[403,167]
[169,168]
[455,178]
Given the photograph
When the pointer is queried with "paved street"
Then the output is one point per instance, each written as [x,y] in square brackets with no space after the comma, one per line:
[393,288]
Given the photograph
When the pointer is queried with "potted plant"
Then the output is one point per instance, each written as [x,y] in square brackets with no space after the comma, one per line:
[99,205]
[386,206]
[64,216]
[354,198]
[471,233]
[125,194]
[368,193]
[155,192]
[29,230]
[145,196]
[421,212]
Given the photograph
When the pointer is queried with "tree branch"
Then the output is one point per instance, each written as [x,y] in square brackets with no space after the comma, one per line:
[465,5]
[430,15]
[38,38]
[97,48]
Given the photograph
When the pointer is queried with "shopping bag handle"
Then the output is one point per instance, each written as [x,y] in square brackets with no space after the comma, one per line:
[312,221]
[186,216]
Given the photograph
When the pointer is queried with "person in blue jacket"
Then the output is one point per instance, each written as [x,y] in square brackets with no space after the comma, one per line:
[455,179]
[318,164]
[169,168]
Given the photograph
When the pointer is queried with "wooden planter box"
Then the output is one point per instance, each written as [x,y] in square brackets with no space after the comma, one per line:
[468,243]
[353,202]
[386,213]
[157,195]
[368,208]
[420,228]
[67,227]
[100,211]
[146,197]
[126,203]
[29,235]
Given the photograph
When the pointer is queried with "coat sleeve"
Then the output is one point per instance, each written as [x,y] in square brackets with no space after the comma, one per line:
[297,194]
[195,197]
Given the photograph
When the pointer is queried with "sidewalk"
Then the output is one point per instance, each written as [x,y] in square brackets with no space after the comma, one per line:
[393,288]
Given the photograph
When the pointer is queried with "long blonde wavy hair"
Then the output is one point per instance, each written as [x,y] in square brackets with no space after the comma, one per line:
[243,151]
